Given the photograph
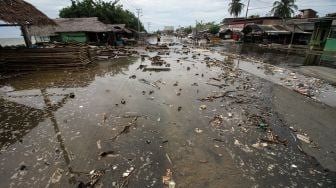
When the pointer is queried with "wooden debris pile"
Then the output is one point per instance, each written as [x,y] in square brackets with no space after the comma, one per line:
[43,58]
[109,53]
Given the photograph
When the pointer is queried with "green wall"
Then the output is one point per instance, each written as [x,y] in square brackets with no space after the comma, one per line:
[329,50]
[320,35]
[74,37]
[330,45]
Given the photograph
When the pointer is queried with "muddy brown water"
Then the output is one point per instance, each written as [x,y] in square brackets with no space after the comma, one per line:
[50,138]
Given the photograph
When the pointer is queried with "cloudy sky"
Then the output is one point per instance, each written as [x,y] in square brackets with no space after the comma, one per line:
[180,12]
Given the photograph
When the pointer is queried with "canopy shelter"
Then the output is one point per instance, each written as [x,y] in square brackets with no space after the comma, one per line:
[23,14]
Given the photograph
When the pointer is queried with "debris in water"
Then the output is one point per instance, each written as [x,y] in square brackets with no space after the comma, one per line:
[259,145]
[107,154]
[149,83]
[168,177]
[243,147]
[99,144]
[72,95]
[203,107]
[303,138]
[56,177]
[216,121]
[128,172]
[198,130]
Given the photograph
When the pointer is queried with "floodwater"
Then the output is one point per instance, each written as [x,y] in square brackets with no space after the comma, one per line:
[66,128]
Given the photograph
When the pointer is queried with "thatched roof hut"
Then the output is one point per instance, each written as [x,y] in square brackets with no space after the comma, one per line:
[22,13]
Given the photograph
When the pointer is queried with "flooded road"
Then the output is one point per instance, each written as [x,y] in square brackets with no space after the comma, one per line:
[117,123]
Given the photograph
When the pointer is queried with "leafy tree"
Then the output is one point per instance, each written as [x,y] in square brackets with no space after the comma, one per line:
[284,8]
[107,12]
[214,29]
[236,7]
[254,16]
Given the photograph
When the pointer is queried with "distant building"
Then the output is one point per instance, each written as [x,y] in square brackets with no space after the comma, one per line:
[308,13]
[323,39]
[168,29]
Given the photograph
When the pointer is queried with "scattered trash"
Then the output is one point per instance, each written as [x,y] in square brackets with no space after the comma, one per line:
[56,177]
[99,144]
[172,184]
[211,98]
[157,69]
[23,167]
[123,101]
[273,138]
[104,117]
[149,83]
[107,154]
[168,158]
[198,130]
[303,138]
[262,126]
[179,108]
[133,77]
[293,166]
[128,172]
[72,95]
[216,121]
[203,107]
[260,145]
[243,147]
[168,177]
[148,141]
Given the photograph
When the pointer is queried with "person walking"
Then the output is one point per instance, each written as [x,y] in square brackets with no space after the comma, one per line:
[158,39]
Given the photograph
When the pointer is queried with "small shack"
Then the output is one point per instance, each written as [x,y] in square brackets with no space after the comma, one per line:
[23,14]
[79,30]
[266,34]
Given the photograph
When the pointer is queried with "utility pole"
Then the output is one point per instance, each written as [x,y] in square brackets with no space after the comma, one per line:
[148,27]
[139,11]
[247,9]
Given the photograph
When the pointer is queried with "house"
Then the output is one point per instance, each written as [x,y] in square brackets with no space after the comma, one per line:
[308,13]
[301,29]
[80,30]
[323,41]
[324,34]
[168,30]
[257,33]
[236,25]
[23,14]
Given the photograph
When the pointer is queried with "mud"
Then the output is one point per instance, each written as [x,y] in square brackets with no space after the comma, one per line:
[74,127]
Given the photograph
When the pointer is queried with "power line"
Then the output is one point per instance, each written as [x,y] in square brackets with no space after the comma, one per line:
[139,11]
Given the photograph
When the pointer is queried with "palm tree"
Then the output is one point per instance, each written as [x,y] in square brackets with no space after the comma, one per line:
[236,7]
[284,8]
